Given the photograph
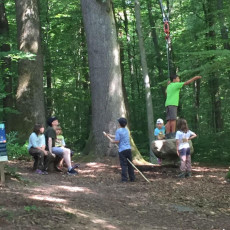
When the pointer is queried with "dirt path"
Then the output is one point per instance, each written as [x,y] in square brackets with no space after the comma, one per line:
[95,199]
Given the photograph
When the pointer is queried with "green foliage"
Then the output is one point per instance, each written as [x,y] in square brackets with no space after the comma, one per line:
[195,52]
[14,149]
[31,208]
[228,175]
[16,55]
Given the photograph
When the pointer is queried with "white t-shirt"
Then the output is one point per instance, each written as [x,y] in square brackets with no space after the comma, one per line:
[183,138]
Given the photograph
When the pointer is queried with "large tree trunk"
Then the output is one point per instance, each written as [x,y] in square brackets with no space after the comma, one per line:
[105,74]
[5,66]
[148,94]
[30,96]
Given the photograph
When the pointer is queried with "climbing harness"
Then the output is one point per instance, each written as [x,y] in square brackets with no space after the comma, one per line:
[167,32]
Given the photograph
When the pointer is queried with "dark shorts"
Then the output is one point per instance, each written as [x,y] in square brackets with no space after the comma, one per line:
[171,112]
[184,152]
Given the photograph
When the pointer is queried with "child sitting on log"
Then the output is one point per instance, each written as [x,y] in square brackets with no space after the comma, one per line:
[60,142]
[183,135]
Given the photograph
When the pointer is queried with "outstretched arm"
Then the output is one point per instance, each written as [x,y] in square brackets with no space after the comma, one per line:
[192,80]
[109,136]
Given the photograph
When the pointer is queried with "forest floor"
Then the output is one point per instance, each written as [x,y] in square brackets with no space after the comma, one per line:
[96,199]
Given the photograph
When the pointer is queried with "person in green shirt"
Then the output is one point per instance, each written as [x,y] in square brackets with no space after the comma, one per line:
[172,102]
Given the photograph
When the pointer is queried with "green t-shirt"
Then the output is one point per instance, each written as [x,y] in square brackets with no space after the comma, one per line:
[173,91]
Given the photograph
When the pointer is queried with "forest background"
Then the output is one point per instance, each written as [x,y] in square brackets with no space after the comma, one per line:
[200,46]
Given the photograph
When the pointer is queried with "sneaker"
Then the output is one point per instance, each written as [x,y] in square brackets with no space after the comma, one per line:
[45,172]
[38,171]
[188,174]
[72,172]
[181,175]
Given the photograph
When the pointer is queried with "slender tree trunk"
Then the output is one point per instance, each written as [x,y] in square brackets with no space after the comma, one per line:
[196,90]
[130,59]
[5,66]
[48,65]
[105,74]
[148,94]
[159,63]
[210,18]
[30,96]
[223,27]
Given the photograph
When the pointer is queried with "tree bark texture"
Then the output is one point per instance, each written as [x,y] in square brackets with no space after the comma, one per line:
[148,94]
[105,73]
[214,87]
[30,96]
[5,65]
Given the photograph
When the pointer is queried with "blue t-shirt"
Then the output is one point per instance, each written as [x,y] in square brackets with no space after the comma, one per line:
[36,141]
[158,131]
[122,135]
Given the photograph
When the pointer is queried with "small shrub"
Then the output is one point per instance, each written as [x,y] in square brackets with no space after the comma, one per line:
[14,149]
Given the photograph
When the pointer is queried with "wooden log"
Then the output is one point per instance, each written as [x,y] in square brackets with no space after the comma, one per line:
[2,172]
[166,149]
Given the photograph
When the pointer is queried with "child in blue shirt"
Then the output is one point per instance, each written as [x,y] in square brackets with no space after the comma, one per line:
[159,131]
[122,139]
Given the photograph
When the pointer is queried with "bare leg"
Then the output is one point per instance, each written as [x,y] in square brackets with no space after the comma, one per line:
[173,126]
[61,163]
[66,156]
[167,126]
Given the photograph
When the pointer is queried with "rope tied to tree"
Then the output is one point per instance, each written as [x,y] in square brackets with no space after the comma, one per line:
[166,31]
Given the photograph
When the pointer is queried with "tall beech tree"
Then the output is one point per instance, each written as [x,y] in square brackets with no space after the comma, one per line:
[29,97]
[5,64]
[146,79]
[105,74]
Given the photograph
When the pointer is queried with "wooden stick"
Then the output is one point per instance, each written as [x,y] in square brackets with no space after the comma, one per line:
[129,160]
[2,173]
[138,170]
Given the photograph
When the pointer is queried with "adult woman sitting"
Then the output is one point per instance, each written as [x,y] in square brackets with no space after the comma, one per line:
[36,149]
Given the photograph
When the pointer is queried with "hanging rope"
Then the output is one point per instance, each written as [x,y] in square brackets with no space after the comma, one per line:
[167,32]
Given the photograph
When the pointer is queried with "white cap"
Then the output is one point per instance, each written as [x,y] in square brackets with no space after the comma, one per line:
[160,121]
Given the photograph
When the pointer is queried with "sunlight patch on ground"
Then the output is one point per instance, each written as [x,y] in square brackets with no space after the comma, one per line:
[89,176]
[95,165]
[203,169]
[77,189]
[91,217]
[47,198]
[199,176]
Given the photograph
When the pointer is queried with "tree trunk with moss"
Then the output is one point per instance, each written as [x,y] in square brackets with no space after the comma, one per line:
[30,96]
[108,102]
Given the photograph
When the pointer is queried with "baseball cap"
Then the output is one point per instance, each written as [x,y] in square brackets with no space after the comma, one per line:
[160,121]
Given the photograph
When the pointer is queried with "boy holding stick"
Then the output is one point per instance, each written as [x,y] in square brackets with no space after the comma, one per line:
[122,139]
